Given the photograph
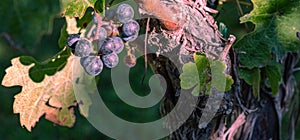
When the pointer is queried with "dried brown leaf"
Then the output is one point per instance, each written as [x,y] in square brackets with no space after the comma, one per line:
[53,96]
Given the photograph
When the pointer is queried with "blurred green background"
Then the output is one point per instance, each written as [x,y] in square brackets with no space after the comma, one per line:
[26,24]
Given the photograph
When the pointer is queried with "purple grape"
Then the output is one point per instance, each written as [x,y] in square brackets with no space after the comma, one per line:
[130,60]
[83,47]
[102,34]
[72,40]
[131,28]
[130,38]
[92,65]
[110,60]
[119,44]
[125,13]
[107,46]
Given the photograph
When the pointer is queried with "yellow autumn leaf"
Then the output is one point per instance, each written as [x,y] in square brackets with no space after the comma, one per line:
[53,96]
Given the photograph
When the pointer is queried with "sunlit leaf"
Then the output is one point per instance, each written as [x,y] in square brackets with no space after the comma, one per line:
[220,80]
[53,96]
[189,78]
[203,65]
[76,8]
[203,74]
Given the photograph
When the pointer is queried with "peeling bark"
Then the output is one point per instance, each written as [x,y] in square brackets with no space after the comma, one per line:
[244,115]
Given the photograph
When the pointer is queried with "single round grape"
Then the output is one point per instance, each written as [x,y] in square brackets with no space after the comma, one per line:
[102,34]
[119,44]
[83,47]
[72,40]
[130,38]
[92,65]
[130,28]
[130,60]
[106,47]
[110,60]
[125,13]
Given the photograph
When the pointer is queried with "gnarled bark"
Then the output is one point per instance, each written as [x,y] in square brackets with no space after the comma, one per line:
[240,115]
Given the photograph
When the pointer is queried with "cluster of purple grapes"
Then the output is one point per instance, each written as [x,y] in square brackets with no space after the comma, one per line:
[111,38]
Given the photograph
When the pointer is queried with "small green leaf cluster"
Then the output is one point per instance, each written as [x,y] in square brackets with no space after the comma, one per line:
[261,51]
[49,67]
[205,74]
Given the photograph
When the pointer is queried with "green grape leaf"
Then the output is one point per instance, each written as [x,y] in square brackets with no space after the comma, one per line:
[100,6]
[76,8]
[246,75]
[276,23]
[273,73]
[256,82]
[86,19]
[252,77]
[27,20]
[221,81]
[254,50]
[203,64]
[189,78]
[50,67]
[53,97]
[197,76]
[62,41]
